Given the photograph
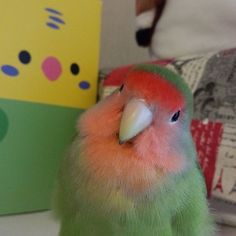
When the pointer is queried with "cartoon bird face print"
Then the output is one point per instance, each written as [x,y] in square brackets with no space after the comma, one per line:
[44,57]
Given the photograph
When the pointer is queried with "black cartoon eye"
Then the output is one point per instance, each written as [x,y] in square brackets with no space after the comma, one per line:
[121,87]
[175,117]
[24,57]
[74,68]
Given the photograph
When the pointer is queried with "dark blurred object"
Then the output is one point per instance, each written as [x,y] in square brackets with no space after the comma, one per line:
[144,35]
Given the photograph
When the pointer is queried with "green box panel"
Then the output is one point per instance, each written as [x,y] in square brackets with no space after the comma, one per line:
[33,139]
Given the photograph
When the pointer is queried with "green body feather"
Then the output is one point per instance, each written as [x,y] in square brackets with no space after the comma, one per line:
[179,210]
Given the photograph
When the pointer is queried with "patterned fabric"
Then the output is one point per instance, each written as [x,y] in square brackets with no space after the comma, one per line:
[212,79]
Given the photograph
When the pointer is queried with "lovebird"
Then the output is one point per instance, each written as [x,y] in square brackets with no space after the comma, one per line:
[132,169]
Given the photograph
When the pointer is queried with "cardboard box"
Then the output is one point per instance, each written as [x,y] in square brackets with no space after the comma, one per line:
[48,76]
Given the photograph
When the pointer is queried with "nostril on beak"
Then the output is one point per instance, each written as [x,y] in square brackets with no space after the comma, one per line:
[51,68]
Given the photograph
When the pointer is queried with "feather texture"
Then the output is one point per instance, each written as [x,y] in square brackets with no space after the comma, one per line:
[148,186]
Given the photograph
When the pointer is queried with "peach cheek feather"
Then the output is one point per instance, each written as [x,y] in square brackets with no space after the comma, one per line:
[133,168]
[159,151]
[110,163]
[120,167]
[103,119]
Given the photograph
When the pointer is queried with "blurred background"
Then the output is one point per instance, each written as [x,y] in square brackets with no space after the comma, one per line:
[118,47]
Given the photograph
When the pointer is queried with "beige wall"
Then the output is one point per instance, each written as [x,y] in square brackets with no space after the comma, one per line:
[118,46]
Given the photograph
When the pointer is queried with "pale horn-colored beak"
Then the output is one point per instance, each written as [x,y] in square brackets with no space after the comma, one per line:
[135,118]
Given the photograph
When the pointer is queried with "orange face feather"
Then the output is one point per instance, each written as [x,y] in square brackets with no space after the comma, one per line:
[142,162]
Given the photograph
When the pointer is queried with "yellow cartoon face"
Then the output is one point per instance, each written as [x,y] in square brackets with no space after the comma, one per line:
[49,52]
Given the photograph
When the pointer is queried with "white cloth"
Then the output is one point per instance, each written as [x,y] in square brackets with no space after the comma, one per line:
[145,19]
[194,27]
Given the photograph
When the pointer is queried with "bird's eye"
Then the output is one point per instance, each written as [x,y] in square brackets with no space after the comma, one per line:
[121,87]
[24,57]
[175,117]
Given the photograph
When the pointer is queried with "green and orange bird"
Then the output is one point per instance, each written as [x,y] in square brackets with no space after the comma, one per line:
[132,170]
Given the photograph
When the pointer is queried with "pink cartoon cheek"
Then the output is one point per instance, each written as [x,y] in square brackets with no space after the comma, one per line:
[51,68]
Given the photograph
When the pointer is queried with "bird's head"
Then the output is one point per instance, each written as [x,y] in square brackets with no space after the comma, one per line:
[153,97]
[149,116]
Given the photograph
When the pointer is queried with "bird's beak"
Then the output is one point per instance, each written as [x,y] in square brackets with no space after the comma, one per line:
[135,118]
